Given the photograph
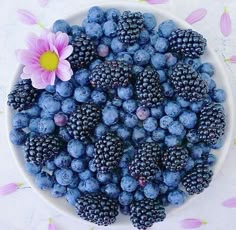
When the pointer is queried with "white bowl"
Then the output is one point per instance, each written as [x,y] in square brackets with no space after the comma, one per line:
[220,77]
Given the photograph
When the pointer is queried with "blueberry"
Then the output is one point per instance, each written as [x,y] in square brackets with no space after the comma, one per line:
[158,61]
[162,76]
[102,50]
[117,102]
[44,181]
[20,120]
[153,37]
[117,46]
[76,148]
[139,135]
[172,109]
[85,175]
[110,57]
[106,41]
[189,165]
[50,165]
[171,59]
[196,106]
[188,119]
[218,144]
[125,57]
[196,152]
[93,30]
[32,168]
[72,195]
[141,57]
[139,195]
[211,160]
[151,191]
[46,126]
[51,88]
[207,68]
[125,198]
[161,45]
[90,150]
[33,112]
[172,140]
[212,85]
[150,49]
[104,177]
[100,130]
[18,136]
[144,37]
[142,113]
[176,128]
[112,191]
[58,191]
[76,30]
[206,78]
[130,106]
[60,119]
[133,48]
[123,132]
[82,77]
[130,120]
[112,14]
[166,28]
[81,186]
[136,70]
[157,112]
[64,176]
[61,25]
[91,185]
[182,102]
[91,166]
[82,94]
[158,134]
[177,197]
[125,209]
[168,91]
[128,184]
[98,96]
[125,93]
[62,160]
[195,63]
[96,14]
[65,88]
[110,115]
[64,134]
[50,104]
[192,136]
[149,21]
[171,179]
[218,95]
[165,122]
[150,124]
[110,28]
[46,115]
[115,178]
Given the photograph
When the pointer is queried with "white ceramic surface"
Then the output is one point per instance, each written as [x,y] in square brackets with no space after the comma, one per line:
[222,81]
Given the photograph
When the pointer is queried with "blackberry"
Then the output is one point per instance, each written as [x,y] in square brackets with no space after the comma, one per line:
[97,208]
[110,74]
[145,163]
[187,43]
[39,149]
[175,158]
[129,27]
[146,212]
[188,83]
[196,180]
[84,52]
[148,88]
[81,122]
[23,96]
[211,123]
[107,152]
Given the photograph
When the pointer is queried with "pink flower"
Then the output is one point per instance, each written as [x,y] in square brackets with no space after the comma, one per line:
[45,59]
[192,223]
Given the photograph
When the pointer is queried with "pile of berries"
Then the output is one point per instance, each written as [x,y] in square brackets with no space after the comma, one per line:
[134,127]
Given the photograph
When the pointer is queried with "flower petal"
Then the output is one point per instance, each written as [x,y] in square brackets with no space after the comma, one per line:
[26,57]
[230,203]
[61,41]
[196,15]
[51,226]
[43,3]
[26,17]
[225,24]
[157,1]
[64,71]
[66,52]
[9,188]
[191,223]
[31,41]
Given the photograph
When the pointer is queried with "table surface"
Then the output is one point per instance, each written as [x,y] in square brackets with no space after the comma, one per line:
[24,210]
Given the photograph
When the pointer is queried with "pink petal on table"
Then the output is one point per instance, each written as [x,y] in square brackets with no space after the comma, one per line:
[225,23]
[43,3]
[230,203]
[9,188]
[27,17]
[51,226]
[157,1]
[196,16]
[232,59]
[192,223]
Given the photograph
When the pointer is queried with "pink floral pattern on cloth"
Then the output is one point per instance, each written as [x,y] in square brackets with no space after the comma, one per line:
[45,58]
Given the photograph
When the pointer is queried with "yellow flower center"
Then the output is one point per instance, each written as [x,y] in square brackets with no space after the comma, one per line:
[49,61]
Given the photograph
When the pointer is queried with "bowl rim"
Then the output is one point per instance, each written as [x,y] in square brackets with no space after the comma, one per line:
[145,8]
